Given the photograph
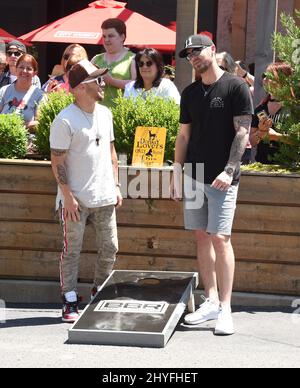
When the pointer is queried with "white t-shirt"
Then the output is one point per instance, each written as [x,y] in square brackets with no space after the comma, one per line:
[89,167]
[166,89]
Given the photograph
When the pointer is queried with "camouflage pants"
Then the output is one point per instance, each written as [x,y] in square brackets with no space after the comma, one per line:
[104,222]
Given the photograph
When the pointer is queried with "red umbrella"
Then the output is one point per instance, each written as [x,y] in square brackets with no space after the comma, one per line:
[84,27]
[7,37]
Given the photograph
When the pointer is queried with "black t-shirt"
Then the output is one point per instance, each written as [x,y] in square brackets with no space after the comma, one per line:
[210,110]
[266,150]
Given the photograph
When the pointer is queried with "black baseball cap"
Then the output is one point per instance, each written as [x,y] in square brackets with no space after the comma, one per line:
[195,41]
[15,44]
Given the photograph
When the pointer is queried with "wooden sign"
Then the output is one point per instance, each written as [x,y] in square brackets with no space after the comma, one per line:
[149,147]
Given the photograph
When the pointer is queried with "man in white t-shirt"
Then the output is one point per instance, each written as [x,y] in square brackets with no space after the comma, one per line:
[85,165]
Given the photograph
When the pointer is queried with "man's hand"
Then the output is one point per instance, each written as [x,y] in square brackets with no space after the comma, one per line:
[176,183]
[175,190]
[119,198]
[222,182]
[71,209]
[52,85]
[108,79]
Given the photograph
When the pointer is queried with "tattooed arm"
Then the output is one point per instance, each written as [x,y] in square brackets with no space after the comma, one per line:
[71,206]
[242,126]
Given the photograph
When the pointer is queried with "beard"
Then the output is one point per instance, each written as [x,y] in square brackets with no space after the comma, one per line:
[203,67]
[95,94]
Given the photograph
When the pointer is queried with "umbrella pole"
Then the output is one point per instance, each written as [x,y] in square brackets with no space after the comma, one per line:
[186,25]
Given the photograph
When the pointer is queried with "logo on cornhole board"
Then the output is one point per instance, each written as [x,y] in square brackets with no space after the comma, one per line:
[149,147]
[132,306]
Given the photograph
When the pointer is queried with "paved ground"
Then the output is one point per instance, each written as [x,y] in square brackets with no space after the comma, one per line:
[33,336]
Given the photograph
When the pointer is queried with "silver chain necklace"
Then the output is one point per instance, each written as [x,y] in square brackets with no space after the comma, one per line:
[91,123]
[206,91]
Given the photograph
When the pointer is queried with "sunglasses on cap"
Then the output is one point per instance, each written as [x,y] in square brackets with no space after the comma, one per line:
[147,64]
[16,54]
[99,81]
[195,52]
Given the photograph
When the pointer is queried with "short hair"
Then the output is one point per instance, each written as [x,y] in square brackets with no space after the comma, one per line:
[28,58]
[115,23]
[157,59]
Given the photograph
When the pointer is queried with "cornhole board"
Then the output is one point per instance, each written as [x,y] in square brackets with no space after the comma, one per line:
[135,308]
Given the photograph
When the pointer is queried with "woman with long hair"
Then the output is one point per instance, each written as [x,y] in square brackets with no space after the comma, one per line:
[267,114]
[60,81]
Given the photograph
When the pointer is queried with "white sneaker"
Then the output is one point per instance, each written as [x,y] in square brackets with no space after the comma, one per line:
[208,311]
[224,324]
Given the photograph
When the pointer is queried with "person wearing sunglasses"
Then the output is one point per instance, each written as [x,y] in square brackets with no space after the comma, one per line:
[268,114]
[14,50]
[117,58]
[85,165]
[215,120]
[60,81]
[150,77]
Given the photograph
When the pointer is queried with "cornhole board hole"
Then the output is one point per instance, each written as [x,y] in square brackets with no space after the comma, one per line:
[135,308]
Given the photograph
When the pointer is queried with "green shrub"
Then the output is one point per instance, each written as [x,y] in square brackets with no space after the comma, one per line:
[150,112]
[55,103]
[13,136]
[287,90]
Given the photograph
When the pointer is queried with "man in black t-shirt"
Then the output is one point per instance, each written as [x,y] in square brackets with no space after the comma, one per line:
[216,113]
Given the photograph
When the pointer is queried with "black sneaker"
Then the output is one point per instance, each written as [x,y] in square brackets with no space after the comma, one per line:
[70,311]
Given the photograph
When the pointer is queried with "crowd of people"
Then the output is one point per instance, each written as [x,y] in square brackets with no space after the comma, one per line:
[217,125]
[136,75]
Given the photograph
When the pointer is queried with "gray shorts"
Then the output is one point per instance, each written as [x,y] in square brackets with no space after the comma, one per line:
[217,213]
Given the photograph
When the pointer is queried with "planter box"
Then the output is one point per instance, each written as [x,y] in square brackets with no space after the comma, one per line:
[266,234]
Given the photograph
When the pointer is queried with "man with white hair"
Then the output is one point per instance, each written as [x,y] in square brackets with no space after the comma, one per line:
[85,166]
